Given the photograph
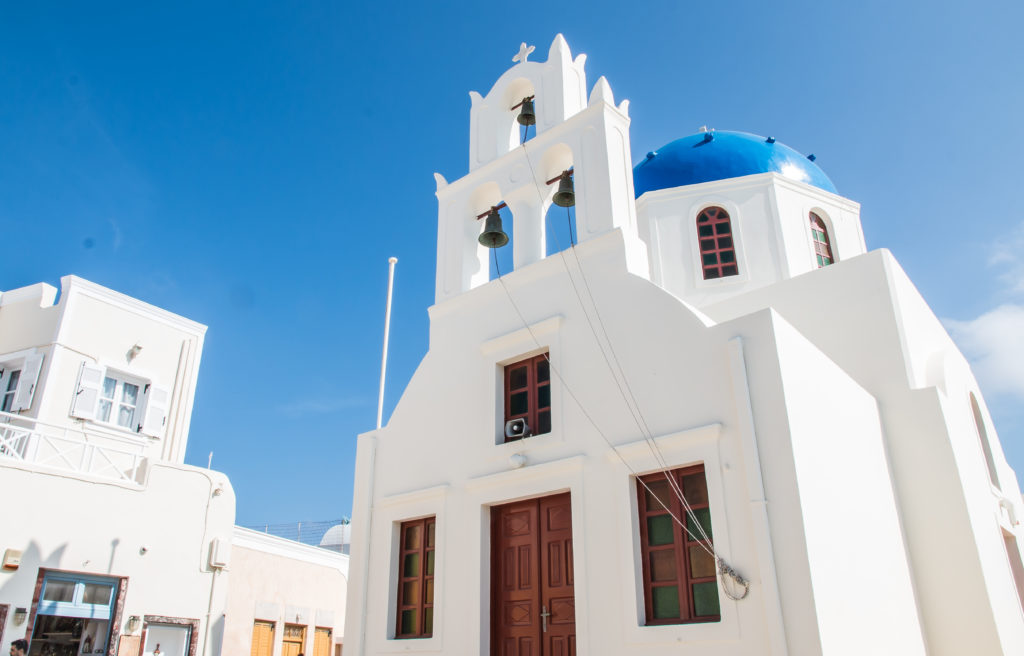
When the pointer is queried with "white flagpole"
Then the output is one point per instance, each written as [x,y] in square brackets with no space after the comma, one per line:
[387,329]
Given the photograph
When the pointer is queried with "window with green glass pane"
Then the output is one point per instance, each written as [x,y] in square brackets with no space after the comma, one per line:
[822,246]
[416,579]
[679,574]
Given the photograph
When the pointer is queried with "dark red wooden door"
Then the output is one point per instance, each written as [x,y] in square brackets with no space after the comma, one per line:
[533,608]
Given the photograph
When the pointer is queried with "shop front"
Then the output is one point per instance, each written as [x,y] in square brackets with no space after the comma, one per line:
[74,614]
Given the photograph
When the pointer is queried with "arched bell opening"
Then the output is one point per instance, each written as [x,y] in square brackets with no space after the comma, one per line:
[521,118]
[986,447]
[496,235]
[560,219]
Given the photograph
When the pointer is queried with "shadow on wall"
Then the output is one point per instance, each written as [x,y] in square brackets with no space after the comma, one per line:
[215,639]
[18,587]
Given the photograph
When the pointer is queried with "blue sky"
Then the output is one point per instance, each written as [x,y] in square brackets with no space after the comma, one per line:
[252,166]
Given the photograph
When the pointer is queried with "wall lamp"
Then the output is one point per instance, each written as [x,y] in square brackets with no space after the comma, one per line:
[20,615]
[133,623]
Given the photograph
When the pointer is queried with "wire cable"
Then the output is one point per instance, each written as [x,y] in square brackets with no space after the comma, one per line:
[628,397]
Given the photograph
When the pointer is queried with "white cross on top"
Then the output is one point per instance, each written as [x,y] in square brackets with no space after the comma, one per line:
[524,52]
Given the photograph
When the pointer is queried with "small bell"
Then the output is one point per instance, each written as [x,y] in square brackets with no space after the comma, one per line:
[526,114]
[493,236]
[566,195]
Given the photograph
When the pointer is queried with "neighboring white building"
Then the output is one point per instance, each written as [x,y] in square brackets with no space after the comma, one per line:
[285,598]
[720,328]
[110,543]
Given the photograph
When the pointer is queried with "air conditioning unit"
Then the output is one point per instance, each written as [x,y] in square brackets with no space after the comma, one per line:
[517,428]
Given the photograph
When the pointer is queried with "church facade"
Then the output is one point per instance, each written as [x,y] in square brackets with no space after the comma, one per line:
[710,423]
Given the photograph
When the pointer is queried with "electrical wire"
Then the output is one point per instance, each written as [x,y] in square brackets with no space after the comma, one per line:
[702,540]
[628,397]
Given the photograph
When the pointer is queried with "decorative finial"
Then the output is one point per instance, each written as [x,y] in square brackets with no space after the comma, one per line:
[524,52]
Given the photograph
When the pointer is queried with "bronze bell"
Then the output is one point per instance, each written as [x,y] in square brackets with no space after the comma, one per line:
[493,236]
[566,195]
[527,116]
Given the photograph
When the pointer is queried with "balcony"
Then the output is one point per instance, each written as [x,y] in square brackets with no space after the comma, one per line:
[68,449]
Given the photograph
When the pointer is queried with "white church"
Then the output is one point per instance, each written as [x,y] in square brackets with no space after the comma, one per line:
[712,424]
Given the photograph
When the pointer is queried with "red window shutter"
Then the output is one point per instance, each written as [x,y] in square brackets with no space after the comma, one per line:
[680,582]
[822,246]
[715,239]
[415,616]
[528,393]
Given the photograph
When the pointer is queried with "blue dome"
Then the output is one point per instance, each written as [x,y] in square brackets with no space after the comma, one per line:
[719,155]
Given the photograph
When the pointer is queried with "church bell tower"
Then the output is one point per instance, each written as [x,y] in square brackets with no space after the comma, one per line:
[589,138]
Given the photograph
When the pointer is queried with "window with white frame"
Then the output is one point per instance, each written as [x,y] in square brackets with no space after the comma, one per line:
[9,390]
[114,398]
[19,374]
[119,401]
[77,596]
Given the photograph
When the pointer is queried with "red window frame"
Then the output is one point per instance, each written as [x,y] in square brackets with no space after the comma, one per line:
[415,616]
[528,394]
[715,240]
[680,582]
[822,246]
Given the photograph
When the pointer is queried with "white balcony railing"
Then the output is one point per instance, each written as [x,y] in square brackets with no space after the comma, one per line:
[69,449]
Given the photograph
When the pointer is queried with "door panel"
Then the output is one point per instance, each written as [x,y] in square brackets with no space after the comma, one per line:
[322,642]
[557,594]
[532,602]
[262,639]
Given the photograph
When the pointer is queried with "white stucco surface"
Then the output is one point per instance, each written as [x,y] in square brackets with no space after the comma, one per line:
[846,476]
[283,582]
[158,536]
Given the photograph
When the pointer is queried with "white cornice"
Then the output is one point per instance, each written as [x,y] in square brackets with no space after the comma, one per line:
[530,472]
[71,284]
[271,544]
[402,498]
[743,182]
[669,442]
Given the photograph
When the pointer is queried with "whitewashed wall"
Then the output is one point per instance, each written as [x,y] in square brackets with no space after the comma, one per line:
[159,536]
[441,455]
[283,582]
[98,326]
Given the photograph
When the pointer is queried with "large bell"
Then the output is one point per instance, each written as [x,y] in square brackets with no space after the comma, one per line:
[527,116]
[566,195]
[493,236]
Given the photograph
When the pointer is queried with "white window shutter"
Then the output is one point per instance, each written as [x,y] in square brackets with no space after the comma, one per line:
[27,382]
[157,400]
[87,391]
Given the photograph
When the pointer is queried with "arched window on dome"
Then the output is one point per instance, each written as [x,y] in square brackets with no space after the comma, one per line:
[822,246]
[986,448]
[717,250]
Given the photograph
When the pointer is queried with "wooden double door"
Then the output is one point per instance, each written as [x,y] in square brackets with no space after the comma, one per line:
[533,607]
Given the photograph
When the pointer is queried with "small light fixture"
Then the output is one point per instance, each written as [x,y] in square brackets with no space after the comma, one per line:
[133,352]
[133,623]
[20,615]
